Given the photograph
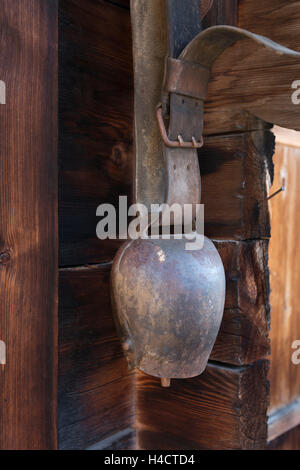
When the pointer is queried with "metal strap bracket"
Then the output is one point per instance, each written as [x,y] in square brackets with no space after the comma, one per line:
[194,144]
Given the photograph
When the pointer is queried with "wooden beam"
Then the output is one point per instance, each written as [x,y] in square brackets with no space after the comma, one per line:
[236,170]
[218,410]
[243,336]
[28,221]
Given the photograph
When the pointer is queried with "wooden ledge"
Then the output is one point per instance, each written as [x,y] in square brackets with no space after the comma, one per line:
[284,420]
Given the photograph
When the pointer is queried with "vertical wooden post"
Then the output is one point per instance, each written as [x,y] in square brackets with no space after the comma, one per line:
[28,224]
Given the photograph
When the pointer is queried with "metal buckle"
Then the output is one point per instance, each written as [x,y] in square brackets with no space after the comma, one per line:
[174,143]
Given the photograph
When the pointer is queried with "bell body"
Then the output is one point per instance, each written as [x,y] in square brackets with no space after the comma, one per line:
[168,305]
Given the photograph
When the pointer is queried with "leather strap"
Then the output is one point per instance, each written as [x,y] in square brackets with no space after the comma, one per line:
[182,104]
[185,78]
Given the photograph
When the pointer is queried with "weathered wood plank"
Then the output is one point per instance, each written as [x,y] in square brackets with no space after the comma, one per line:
[96,120]
[243,65]
[285,277]
[95,386]
[243,336]
[28,220]
[251,78]
[97,414]
[218,410]
[235,171]
[276,19]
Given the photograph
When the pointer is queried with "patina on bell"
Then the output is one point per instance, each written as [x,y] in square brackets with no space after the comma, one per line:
[168,305]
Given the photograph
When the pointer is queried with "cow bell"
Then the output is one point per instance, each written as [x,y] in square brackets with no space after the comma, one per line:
[168,304]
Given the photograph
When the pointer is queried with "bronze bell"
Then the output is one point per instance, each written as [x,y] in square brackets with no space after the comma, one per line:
[168,304]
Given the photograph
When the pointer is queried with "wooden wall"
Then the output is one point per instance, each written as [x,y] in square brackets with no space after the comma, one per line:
[285,281]
[28,221]
[99,401]
[95,167]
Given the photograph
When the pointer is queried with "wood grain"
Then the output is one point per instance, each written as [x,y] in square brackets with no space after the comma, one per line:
[96,121]
[95,386]
[242,66]
[28,221]
[235,171]
[285,278]
[275,19]
[218,410]
[221,408]
[244,332]
[252,78]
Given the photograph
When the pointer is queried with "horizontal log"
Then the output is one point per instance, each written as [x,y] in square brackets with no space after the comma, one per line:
[235,172]
[96,414]
[217,410]
[95,397]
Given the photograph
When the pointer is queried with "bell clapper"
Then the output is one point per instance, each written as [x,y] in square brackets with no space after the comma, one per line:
[165,382]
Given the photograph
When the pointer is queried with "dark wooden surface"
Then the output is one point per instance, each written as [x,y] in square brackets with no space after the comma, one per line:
[285,278]
[218,410]
[95,387]
[95,117]
[28,221]
[244,332]
[183,24]
[235,169]
[95,161]
[96,156]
